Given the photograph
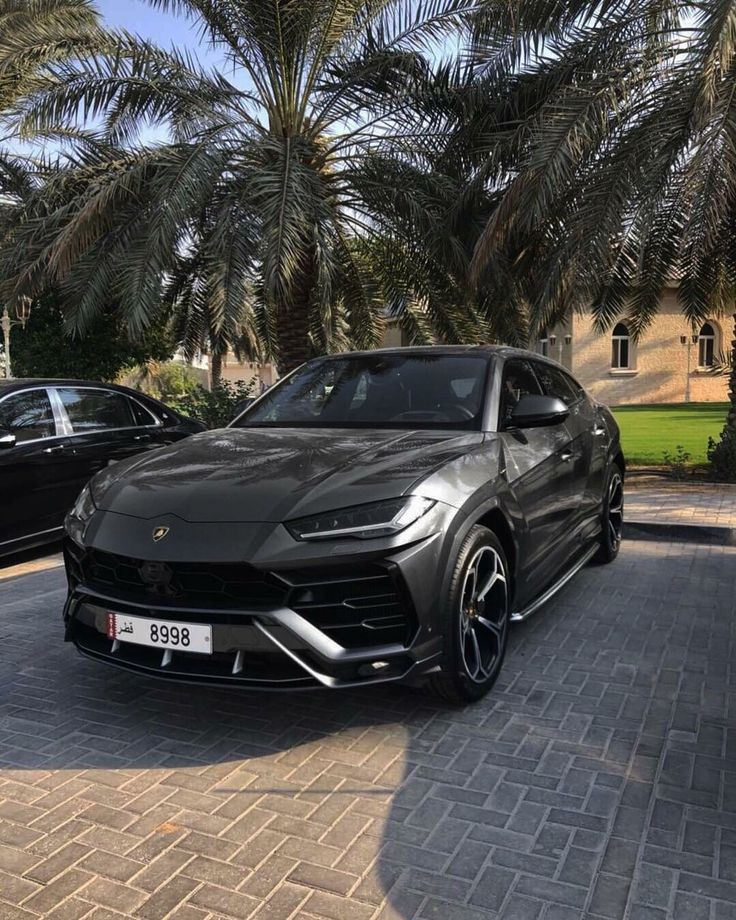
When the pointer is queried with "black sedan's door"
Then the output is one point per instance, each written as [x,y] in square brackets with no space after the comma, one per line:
[539,469]
[31,471]
[104,428]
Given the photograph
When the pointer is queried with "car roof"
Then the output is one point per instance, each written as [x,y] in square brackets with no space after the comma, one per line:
[22,383]
[501,351]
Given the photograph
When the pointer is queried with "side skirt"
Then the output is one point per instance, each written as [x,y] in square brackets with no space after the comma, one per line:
[521,615]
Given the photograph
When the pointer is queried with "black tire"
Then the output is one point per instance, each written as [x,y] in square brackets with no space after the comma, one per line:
[456,683]
[612,516]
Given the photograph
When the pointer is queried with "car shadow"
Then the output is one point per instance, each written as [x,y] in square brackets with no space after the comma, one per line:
[318,756]
[404,797]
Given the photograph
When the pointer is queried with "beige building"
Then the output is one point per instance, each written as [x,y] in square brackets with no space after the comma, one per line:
[265,374]
[669,364]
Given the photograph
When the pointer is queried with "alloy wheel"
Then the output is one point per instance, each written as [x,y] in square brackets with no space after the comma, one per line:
[615,510]
[483,614]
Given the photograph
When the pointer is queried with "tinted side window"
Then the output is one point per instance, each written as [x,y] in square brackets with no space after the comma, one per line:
[142,416]
[556,383]
[518,380]
[28,415]
[96,410]
[577,389]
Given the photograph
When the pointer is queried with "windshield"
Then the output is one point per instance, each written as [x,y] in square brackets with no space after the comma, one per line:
[378,391]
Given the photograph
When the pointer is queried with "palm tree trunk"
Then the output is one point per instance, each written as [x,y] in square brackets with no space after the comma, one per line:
[292,331]
[293,321]
[732,380]
[216,361]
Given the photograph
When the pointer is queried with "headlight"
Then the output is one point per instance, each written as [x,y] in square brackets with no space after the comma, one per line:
[378,519]
[76,520]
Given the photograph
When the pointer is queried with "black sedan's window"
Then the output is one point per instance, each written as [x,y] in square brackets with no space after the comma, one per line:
[28,415]
[142,416]
[96,410]
[378,391]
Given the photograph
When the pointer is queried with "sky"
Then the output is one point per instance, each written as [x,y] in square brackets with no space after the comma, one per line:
[163,28]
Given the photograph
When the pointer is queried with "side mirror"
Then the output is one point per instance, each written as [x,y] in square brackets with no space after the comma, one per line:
[7,439]
[538,412]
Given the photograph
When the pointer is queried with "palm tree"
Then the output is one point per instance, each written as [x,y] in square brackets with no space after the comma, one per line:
[620,177]
[248,214]
[431,218]
[35,34]
[732,380]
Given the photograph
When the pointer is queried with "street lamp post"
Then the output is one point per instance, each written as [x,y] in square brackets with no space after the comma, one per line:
[688,341]
[22,312]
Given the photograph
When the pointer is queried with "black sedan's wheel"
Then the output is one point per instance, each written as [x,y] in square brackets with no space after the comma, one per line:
[612,512]
[476,620]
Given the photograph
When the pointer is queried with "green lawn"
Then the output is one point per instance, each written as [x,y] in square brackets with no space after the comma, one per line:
[648,431]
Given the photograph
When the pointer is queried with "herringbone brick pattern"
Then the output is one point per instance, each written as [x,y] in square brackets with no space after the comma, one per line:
[597,781]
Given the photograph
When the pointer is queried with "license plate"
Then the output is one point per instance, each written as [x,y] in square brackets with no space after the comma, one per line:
[166,634]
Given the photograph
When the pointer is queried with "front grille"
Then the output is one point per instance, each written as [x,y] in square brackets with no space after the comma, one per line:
[177,584]
[357,606]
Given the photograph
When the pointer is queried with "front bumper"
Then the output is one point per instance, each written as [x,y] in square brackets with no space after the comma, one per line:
[361,621]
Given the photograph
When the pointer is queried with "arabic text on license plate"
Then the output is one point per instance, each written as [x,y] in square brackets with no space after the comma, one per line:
[183,637]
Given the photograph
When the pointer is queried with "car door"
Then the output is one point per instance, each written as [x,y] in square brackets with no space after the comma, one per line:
[31,500]
[583,465]
[103,428]
[538,470]
[589,416]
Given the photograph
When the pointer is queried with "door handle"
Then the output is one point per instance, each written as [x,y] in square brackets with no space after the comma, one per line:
[566,456]
[599,431]
[141,437]
[57,449]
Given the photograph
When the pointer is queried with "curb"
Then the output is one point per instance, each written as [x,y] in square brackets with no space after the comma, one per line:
[709,534]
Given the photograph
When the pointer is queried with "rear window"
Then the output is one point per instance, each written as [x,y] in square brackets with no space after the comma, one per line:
[96,410]
[143,417]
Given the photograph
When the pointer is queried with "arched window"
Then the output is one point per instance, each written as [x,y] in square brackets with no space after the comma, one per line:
[621,347]
[706,345]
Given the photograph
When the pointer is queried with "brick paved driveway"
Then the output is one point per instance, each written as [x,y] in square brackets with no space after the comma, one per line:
[599,780]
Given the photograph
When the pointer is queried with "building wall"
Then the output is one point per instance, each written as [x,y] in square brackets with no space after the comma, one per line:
[659,374]
[393,337]
[264,373]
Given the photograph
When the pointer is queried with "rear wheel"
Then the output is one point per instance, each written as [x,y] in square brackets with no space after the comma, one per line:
[476,623]
[612,516]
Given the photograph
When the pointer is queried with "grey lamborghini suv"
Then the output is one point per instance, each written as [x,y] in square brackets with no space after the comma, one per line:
[376,516]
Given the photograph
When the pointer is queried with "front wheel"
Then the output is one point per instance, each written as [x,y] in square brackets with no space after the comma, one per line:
[612,516]
[476,620]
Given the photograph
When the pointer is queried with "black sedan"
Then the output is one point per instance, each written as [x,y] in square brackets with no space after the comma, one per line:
[376,516]
[55,435]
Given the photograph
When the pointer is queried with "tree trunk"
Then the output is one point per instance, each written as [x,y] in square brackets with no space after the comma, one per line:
[732,379]
[293,321]
[215,369]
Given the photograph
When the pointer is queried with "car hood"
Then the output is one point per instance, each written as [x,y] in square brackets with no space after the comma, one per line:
[272,475]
